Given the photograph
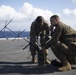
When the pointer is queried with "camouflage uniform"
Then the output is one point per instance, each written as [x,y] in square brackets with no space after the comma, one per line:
[35,32]
[63,43]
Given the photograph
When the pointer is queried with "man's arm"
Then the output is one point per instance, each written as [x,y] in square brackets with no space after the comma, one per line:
[44,35]
[55,37]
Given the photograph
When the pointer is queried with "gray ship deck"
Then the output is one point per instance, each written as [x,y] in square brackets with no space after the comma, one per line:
[15,61]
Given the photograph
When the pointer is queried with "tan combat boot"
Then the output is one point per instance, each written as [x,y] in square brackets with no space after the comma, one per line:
[33,59]
[65,67]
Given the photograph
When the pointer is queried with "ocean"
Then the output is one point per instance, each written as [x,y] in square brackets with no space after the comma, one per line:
[14,34]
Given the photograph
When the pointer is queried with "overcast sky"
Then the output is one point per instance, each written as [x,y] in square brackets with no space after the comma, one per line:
[23,12]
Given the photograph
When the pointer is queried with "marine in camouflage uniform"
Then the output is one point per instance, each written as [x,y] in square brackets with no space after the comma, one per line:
[63,43]
[39,28]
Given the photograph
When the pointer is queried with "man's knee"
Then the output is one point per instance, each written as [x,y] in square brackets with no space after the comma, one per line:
[60,47]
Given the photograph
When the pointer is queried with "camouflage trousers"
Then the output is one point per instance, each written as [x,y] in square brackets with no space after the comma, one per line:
[64,52]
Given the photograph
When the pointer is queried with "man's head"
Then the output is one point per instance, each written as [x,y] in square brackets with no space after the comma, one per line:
[40,20]
[54,19]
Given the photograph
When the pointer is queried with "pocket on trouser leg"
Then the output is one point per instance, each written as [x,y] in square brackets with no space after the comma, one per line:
[33,52]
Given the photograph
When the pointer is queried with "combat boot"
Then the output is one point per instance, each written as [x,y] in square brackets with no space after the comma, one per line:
[65,67]
[33,59]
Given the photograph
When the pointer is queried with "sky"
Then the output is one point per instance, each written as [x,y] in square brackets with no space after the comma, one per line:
[24,12]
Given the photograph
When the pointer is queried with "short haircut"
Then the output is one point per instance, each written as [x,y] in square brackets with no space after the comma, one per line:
[39,19]
[54,16]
